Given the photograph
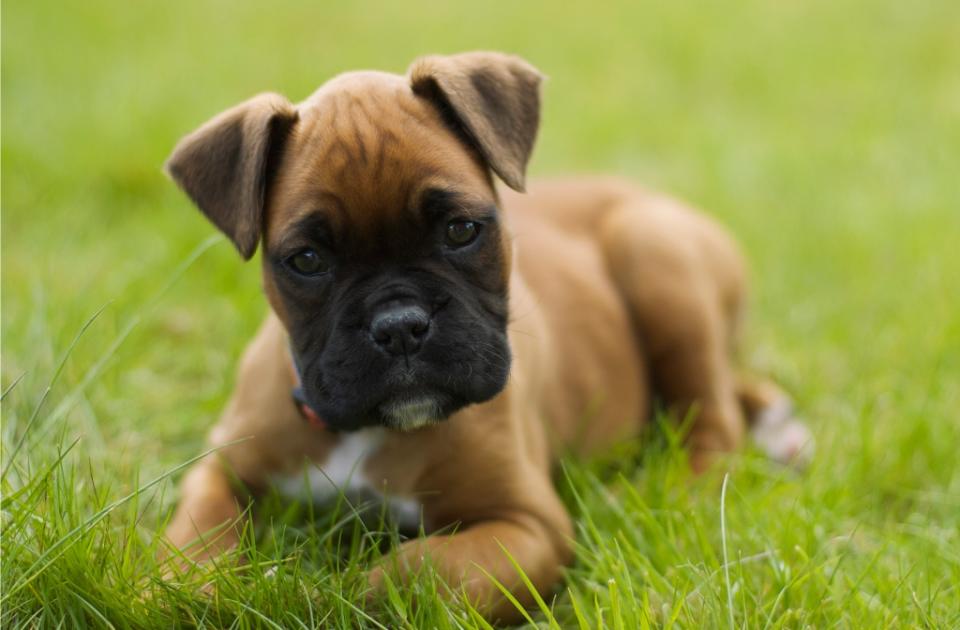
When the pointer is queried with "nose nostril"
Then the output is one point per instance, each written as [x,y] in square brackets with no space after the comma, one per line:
[400,330]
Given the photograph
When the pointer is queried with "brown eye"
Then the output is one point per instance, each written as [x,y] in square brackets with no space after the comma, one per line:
[460,233]
[308,263]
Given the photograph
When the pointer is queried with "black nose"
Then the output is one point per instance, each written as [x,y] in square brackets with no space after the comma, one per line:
[400,329]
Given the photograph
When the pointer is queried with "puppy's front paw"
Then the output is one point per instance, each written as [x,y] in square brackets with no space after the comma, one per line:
[375,582]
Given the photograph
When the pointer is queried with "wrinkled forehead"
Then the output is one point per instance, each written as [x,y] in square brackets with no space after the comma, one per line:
[366,150]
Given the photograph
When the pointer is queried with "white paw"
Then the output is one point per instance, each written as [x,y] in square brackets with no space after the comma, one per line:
[783,437]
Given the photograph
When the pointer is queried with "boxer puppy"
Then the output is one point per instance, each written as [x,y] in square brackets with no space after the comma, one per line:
[445,342]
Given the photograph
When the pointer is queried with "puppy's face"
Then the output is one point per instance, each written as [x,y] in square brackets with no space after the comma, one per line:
[383,249]
[385,257]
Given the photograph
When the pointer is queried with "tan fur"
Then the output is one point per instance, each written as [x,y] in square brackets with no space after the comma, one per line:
[616,293]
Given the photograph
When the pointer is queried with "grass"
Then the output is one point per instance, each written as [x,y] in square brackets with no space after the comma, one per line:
[823,133]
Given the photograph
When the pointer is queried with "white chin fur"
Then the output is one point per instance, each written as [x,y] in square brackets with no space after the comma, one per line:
[412,414]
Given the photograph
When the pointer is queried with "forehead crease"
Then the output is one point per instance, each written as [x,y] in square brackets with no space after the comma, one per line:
[370,134]
[364,155]
[356,118]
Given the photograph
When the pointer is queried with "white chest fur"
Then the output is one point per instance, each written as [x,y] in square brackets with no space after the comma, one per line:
[343,472]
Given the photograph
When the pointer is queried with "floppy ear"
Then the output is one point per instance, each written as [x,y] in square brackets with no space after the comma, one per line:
[225,165]
[492,99]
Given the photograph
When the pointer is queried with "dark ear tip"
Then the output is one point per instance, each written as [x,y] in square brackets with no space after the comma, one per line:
[173,165]
[246,247]
[519,184]
[168,169]
[247,253]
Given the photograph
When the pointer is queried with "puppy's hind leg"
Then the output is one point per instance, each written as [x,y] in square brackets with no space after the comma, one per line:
[670,268]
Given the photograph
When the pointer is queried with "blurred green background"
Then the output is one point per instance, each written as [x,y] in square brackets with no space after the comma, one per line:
[825,134]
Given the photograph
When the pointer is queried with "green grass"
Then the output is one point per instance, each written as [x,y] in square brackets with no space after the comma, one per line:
[823,133]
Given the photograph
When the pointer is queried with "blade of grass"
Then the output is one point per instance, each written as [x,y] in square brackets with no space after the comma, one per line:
[58,548]
[46,392]
[12,385]
[97,368]
[723,540]
[542,605]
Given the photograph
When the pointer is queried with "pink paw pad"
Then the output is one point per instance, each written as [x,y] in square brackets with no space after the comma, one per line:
[781,436]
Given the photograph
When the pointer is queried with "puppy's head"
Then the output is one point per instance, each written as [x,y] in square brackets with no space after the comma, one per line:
[383,249]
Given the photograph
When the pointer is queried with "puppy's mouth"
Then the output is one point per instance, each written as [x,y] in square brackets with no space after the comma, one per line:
[401,396]
[412,412]
[404,412]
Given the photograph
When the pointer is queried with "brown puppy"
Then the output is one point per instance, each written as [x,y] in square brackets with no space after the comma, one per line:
[388,261]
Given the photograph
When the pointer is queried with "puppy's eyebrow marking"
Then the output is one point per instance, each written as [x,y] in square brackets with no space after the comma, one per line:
[314,226]
[312,200]
[438,202]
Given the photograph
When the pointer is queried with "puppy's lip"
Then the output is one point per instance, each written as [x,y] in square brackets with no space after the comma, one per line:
[411,412]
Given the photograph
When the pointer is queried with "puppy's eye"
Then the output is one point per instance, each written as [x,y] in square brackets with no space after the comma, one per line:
[308,262]
[461,233]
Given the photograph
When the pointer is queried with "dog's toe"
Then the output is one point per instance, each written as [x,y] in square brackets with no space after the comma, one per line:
[783,437]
